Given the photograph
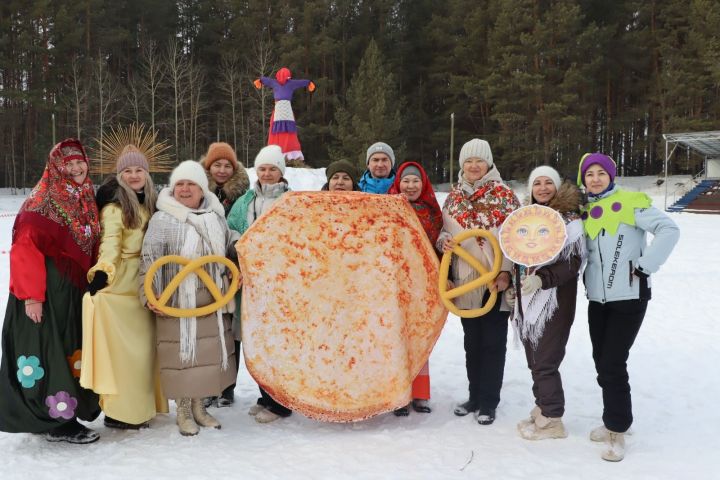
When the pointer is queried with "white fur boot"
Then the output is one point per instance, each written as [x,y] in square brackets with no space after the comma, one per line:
[543,428]
[529,421]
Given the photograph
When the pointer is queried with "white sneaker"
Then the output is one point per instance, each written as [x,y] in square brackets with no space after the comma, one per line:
[615,447]
[255,409]
[266,416]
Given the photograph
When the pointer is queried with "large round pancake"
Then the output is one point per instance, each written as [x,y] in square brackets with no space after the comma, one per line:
[340,305]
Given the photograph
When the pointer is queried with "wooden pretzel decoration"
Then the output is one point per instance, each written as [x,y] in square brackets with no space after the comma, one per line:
[190,266]
[485,278]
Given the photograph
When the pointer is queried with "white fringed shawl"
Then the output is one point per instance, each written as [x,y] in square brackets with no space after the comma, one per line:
[540,307]
[191,233]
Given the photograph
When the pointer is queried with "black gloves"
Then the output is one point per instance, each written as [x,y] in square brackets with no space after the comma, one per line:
[98,283]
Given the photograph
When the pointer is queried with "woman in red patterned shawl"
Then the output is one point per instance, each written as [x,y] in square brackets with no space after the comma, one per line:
[413,183]
[53,245]
[480,200]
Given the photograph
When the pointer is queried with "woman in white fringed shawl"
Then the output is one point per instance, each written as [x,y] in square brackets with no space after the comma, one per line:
[546,310]
[196,354]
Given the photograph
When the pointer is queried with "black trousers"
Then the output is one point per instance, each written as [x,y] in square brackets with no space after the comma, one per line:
[485,347]
[268,402]
[613,328]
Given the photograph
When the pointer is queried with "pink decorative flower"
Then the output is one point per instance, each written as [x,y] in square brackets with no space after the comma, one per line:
[61,405]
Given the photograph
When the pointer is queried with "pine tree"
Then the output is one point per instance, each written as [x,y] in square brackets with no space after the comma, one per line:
[371,112]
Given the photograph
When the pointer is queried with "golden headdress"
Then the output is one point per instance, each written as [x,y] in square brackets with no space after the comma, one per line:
[122,139]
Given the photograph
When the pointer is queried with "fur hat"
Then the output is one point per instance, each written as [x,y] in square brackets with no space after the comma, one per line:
[476,148]
[590,159]
[131,157]
[380,147]
[271,155]
[341,166]
[190,170]
[544,171]
[218,151]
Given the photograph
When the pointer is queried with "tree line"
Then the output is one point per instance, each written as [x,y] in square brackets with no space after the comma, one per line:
[542,80]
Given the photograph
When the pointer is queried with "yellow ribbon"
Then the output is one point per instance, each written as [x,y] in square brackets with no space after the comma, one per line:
[485,278]
[190,266]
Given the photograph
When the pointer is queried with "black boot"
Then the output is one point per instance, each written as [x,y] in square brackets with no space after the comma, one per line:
[464,408]
[486,416]
[421,406]
[72,432]
[402,411]
[112,423]
[227,398]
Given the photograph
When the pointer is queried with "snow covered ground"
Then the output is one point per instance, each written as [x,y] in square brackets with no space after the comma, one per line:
[673,369]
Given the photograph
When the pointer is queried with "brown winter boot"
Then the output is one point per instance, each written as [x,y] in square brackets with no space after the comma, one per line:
[544,428]
[529,421]
[614,447]
[201,415]
[185,422]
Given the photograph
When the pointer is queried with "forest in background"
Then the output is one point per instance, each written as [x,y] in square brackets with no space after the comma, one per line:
[544,81]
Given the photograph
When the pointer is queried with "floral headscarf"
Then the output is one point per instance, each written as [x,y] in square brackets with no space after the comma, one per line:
[59,199]
[426,206]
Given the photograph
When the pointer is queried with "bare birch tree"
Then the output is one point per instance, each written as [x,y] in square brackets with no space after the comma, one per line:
[153,71]
[108,91]
[78,87]
[195,86]
[261,63]
[177,67]
[232,84]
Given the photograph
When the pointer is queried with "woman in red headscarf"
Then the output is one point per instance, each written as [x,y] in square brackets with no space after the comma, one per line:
[53,245]
[283,130]
[413,183]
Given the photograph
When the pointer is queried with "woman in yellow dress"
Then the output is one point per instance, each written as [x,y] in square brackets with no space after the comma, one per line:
[119,334]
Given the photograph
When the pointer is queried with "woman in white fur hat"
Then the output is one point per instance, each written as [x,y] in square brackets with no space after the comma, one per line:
[195,354]
[547,295]
[270,185]
[479,200]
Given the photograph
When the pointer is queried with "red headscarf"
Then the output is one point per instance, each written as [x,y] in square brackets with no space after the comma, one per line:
[64,211]
[426,206]
[283,75]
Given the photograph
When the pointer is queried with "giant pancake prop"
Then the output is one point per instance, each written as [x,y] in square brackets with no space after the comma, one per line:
[340,305]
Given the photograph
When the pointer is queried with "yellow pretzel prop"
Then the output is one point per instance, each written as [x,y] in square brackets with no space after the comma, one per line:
[190,266]
[485,279]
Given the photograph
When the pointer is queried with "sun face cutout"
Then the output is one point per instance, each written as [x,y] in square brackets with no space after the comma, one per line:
[532,235]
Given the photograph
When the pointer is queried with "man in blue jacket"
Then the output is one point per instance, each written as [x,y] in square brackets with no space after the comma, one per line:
[380,173]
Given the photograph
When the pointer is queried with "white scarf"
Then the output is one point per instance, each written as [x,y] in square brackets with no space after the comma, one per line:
[540,307]
[193,233]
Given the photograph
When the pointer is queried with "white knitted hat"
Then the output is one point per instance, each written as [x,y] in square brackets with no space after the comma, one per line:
[190,170]
[271,155]
[544,171]
[476,148]
[380,147]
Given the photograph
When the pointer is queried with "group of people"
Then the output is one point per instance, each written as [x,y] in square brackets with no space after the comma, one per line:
[66,357]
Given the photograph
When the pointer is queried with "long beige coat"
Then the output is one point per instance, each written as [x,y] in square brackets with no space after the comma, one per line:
[204,376]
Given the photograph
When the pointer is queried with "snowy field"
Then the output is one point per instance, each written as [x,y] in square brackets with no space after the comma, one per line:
[674,374]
